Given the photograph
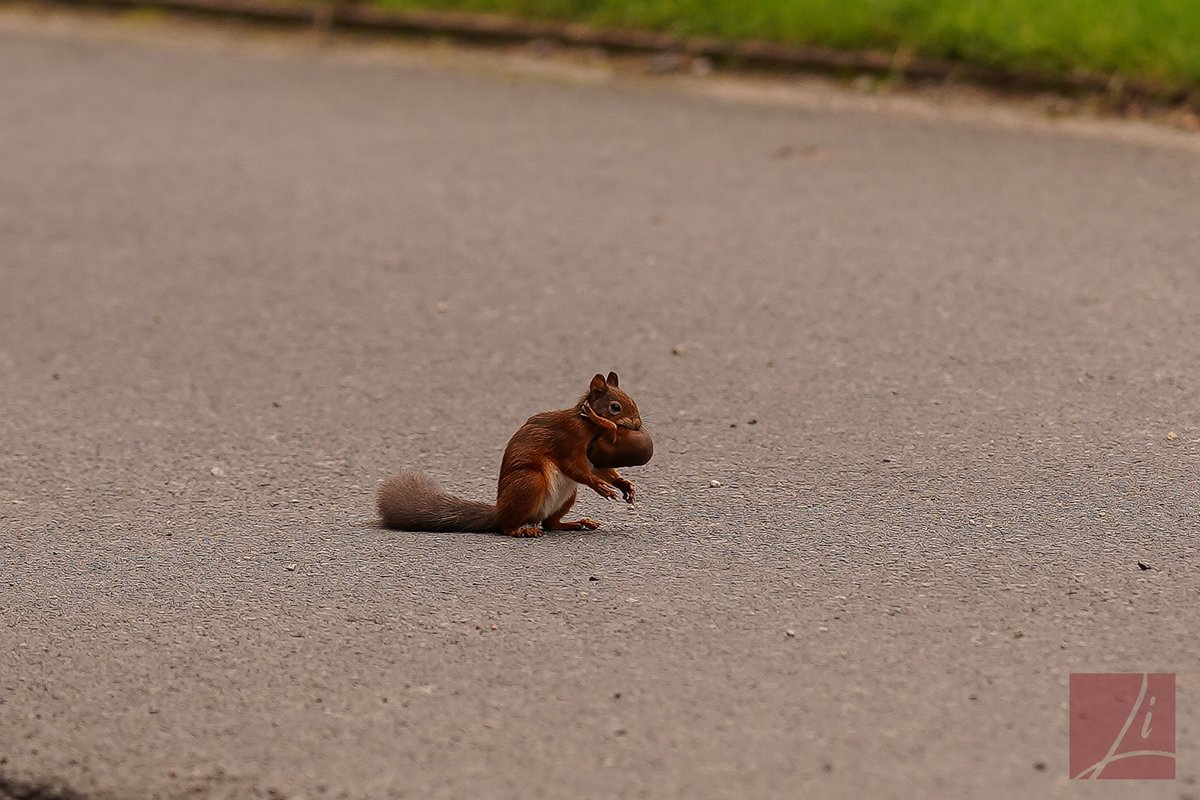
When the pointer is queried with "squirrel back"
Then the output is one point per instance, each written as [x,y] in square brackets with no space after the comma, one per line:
[412,502]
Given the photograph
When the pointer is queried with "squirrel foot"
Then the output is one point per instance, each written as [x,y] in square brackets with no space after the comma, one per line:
[525,532]
[581,524]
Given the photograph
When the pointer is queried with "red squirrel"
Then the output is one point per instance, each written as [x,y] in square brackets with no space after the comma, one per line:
[544,463]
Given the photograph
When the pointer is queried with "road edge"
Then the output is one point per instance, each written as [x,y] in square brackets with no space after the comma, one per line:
[1116,93]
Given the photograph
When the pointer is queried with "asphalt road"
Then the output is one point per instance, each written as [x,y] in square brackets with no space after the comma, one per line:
[946,375]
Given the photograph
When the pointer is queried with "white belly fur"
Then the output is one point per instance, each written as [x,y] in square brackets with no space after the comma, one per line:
[560,489]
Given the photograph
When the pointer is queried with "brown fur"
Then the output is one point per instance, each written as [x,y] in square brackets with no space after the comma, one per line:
[547,442]
[412,502]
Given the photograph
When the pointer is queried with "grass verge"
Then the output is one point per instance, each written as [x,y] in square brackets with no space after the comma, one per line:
[1158,40]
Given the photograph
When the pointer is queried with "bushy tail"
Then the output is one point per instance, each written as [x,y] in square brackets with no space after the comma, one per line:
[412,502]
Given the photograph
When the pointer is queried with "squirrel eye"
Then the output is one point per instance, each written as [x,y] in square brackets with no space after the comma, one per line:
[614,407]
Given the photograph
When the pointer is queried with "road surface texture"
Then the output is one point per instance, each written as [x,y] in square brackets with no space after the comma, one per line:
[924,395]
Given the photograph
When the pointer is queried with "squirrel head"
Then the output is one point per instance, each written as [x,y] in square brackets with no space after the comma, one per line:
[608,401]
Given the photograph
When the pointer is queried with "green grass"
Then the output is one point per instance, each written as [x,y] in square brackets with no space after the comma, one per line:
[1155,39]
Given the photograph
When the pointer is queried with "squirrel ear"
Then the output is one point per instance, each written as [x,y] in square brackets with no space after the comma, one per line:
[613,380]
[598,384]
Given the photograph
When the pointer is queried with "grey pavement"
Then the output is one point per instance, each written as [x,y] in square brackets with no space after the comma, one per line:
[924,393]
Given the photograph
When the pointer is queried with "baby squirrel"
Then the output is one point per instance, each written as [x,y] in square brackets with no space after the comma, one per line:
[543,465]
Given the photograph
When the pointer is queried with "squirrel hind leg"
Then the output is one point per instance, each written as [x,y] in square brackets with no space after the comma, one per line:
[554,521]
[519,501]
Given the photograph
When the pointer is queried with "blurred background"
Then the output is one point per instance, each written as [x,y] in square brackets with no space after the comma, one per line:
[1154,40]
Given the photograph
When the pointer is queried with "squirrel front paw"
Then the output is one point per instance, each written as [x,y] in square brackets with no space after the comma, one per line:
[627,490]
[608,425]
[606,491]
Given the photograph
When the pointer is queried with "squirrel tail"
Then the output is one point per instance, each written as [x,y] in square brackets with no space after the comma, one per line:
[412,502]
